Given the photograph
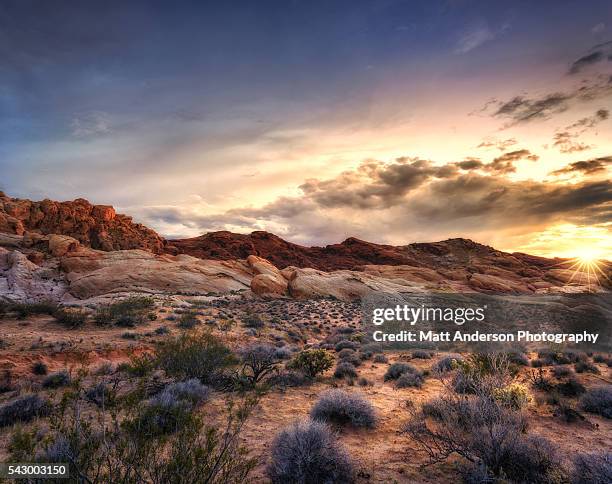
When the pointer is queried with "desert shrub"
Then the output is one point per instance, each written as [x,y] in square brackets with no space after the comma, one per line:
[200,355]
[407,380]
[422,354]
[593,468]
[482,372]
[126,313]
[70,317]
[598,400]
[188,320]
[372,348]
[485,433]
[129,335]
[514,396]
[395,370]
[447,363]
[253,321]
[40,368]
[346,344]
[585,367]
[102,395]
[540,362]
[345,330]
[345,369]
[561,371]
[345,353]
[518,358]
[56,380]
[100,449]
[308,452]
[162,330]
[352,358]
[139,365]
[380,358]
[553,357]
[190,390]
[540,381]
[364,382]
[24,409]
[570,388]
[312,362]
[258,361]
[343,408]
[27,309]
[599,358]
[283,353]
[288,378]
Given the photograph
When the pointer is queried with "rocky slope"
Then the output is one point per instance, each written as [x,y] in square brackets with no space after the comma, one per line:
[96,226]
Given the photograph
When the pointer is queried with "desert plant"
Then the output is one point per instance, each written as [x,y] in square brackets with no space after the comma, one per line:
[395,370]
[56,380]
[422,354]
[252,320]
[102,394]
[40,368]
[24,409]
[308,452]
[447,363]
[586,367]
[346,344]
[345,369]
[409,380]
[514,396]
[312,362]
[343,408]
[258,361]
[570,388]
[200,355]
[598,400]
[188,320]
[288,378]
[595,468]
[561,371]
[26,309]
[380,358]
[70,317]
[127,312]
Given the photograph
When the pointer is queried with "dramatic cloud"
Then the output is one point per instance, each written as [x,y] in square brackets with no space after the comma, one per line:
[587,167]
[566,140]
[383,201]
[505,162]
[599,53]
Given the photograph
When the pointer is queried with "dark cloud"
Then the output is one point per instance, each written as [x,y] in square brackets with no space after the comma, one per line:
[505,163]
[566,140]
[598,53]
[501,145]
[586,167]
[409,193]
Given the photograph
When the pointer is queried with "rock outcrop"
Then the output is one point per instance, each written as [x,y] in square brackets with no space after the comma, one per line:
[96,226]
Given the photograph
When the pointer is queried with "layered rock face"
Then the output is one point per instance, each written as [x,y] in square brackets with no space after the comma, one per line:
[97,226]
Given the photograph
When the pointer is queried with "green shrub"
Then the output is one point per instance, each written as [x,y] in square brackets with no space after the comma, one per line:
[253,321]
[396,370]
[127,312]
[26,309]
[312,362]
[70,317]
[200,355]
[514,396]
[56,380]
[343,408]
[188,320]
[40,368]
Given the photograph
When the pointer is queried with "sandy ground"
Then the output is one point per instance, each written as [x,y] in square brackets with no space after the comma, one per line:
[382,454]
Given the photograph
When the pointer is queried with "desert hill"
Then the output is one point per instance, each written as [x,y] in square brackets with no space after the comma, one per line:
[76,250]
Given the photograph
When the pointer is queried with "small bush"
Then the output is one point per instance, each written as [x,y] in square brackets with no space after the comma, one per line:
[518,358]
[308,452]
[345,369]
[397,369]
[56,380]
[562,371]
[346,353]
[162,330]
[586,367]
[592,468]
[200,355]
[191,391]
[40,368]
[598,400]
[125,313]
[571,388]
[312,362]
[408,380]
[422,354]
[342,408]
[600,358]
[447,363]
[288,378]
[70,317]
[24,310]
[513,396]
[253,321]
[188,320]
[283,353]
[346,344]
[24,409]
[380,358]
[102,395]
[258,361]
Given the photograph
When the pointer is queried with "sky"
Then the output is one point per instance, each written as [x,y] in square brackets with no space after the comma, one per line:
[391,121]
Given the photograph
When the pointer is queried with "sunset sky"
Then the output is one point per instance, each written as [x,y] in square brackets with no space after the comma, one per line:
[392,121]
